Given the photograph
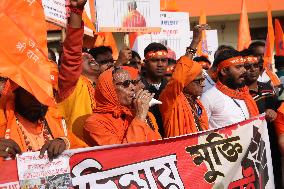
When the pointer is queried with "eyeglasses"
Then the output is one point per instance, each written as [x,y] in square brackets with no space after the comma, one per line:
[127,83]
[249,66]
[110,61]
[199,81]
[163,60]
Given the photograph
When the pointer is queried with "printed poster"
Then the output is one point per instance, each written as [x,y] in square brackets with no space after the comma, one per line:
[174,34]
[55,12]
[42,173]
[128,15]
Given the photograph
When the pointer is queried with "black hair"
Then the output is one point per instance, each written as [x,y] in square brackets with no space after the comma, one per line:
[226,54]
[222,48]
[279,62]
[201,59]
[99,50]
[135,54]
[247,52]
[154,47]
[51,55]
[256,44]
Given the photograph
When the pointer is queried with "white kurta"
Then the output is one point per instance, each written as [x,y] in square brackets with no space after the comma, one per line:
[223,110]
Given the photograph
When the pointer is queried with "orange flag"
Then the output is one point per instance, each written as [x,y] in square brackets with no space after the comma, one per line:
[23,48]
[244,39]
[202,49]
[168,5]
[87,21]
[269,48]
[279,38]
[107,39]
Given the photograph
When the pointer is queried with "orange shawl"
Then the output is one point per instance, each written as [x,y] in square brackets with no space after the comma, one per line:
[113,123]
[241,94]
[176,111]
[10,129]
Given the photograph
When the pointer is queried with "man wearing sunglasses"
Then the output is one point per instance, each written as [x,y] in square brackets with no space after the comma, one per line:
[155,66]
[266,100]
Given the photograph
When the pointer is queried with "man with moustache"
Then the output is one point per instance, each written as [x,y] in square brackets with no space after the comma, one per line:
[266,100]
[229,101]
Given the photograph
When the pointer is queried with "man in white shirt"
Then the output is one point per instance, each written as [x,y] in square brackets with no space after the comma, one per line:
[229,101]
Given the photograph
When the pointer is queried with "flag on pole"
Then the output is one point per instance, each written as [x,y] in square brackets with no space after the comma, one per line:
[244,38]
[107,39]
[23,48]
[202,49]
[279,38]
[269,48]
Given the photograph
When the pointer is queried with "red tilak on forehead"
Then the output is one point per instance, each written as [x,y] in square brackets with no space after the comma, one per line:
[152,54]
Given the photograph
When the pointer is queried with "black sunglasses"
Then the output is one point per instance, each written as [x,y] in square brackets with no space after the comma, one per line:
[127,83]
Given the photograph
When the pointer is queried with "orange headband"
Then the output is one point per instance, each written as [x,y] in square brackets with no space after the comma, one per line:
[250,59]
[231,61]
[152,54]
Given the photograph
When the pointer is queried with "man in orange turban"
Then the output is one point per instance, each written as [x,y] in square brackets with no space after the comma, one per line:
[181,110]
[121,114]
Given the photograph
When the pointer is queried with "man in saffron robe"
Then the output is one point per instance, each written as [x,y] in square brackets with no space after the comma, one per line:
[134,18]
[29,125]
[121,114]
[181,110]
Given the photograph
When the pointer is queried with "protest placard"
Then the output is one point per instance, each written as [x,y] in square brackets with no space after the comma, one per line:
[128,15]
[236,156]
[174,34]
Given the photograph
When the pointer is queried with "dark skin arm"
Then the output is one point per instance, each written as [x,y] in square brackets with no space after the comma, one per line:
[57,146]
[9,148]
[197,35]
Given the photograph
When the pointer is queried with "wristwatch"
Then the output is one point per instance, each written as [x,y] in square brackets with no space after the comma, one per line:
[190,50]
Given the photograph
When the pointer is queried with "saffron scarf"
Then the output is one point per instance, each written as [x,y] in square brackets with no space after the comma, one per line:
[106,97]
[241,94]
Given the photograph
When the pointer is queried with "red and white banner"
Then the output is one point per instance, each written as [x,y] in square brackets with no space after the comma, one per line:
[233,157]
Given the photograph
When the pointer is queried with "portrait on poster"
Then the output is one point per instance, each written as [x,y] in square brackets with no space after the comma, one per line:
[128,15]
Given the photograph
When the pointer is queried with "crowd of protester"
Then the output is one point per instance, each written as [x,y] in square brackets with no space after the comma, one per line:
[103,101]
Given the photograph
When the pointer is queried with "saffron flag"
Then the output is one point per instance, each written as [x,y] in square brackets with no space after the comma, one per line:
[107,39]
[269,48]
[168,5]
[279,38]
[237,156]
[244,39]
[202,49]
[23,49]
